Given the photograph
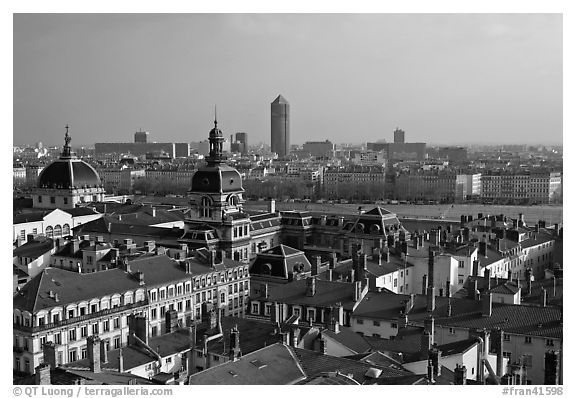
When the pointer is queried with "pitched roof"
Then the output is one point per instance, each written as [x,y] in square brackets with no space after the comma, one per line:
[272,365]
[22,218]
[71,287]
[34,248]
[378,211]
[315,363]
[327,293]
[349,339]
[80,211]
[282,250]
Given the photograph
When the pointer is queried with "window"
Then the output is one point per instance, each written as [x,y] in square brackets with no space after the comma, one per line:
[162,294]
[222,297]
[39,199]
[52,199]
[179,290]
[116,343]
[395,282]
[65,200]
[153,313]
[188,305]
[84,331]
[170,291]
[461,264]
[311,314]
[527,360]
[57,338]
[255,308]
[376,323]
[72,335]
[106,325]
[116,323]
[528,340]
[296,311]
[451,331]
[162,311]
[359,321]
[506,337]
[394,325]
[179,306]
[549,343]
[267,309]
[507,354]
[71,355]
[94,308]
[83,353]
[235,288]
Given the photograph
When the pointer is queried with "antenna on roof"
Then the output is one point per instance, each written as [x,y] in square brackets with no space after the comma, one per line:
[215,116]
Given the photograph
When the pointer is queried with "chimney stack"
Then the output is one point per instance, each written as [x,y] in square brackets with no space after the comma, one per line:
[544,295]
[272,206]
[333,260]
[94,353]
[460,375]
[431,299]
[103,352]
[235,352]
[424,284]
[551,368]
[49,350]
[483,250]
[448,294]
[487,280]
[357,291]
[434,355]
[310,287]
[487,304]
[472,288]
[431,255]
[497,337]
[42,375]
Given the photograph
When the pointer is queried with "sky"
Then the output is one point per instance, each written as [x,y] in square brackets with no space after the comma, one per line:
[349,78]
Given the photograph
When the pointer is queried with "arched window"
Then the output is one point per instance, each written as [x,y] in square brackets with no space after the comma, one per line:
[57,231]
[66,230]
[233,200]
[49,232]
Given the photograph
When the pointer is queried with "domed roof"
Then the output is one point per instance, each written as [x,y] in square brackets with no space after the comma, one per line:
[217,179]
[68,173]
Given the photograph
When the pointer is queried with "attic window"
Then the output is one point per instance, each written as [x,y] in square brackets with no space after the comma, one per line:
[231,181]
[233,374]
[259,364]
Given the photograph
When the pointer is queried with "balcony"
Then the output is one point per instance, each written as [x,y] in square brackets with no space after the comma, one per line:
[94,315]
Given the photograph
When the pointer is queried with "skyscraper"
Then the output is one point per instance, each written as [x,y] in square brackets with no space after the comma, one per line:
[243,139]
[280,126]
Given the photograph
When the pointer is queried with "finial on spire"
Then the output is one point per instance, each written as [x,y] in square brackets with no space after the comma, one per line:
[66,150]
[215,116]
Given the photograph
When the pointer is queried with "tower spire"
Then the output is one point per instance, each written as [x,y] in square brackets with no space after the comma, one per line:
[66,149]
[215,116]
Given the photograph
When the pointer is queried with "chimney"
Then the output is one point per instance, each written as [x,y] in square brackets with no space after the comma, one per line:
[487,304]
[191,365]
[430,372]
[431,299]
[386,256]
[544,296]
[357,291]
[463,221]
[487,280]
[378,243]
[295,337]
[529,280]
[49,350]
[75,245]
[497,337]
[272,206]
[137,326]
[409,303]
[377,257]
[431,255]
[213,318]
[448,289]
[94,353]
[235,352]
[425,341]
[42,375]
[171,321]
[537,228]
[424,284]
[322,345]
[316,265]
[333,260]
[429,328]
[521,222]
[434,355]
[103,352]
[140,276]
[460,375]
[472,288]
[551,368]
[120,361]
[483,249]
[556,229]
[475,266]
[449,309]
[310,287]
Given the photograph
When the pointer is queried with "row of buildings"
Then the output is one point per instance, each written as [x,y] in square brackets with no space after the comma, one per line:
[211,294]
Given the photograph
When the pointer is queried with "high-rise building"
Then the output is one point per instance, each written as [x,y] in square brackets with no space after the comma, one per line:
[399,136]
[280,126]
[242,138]
[141,137]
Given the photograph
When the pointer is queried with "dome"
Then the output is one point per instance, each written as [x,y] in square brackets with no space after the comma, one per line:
[215,132]
[68,173]
[213,179]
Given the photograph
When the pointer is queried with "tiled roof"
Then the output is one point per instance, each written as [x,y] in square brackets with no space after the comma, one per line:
[378,211]
[327,293]
[467,313]
[80,211]
[315,363]
[29,217]
[349,339]
[71,287]
[272,365]
[158,269]
[457,347]
[282,250]
[34,248]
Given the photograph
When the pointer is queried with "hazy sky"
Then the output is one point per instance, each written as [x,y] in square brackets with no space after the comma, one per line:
[443,78]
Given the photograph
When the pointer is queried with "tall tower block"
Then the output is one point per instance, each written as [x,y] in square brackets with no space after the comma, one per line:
[280,126]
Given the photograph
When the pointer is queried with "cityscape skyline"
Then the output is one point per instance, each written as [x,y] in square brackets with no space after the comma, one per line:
[484,68]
